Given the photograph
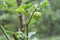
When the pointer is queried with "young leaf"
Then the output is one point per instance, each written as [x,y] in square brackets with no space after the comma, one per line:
[44,4]
[21,10]
[26,6]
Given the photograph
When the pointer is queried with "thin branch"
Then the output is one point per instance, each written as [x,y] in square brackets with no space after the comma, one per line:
[22,19]
[29,23]
[31,17]
[3,30]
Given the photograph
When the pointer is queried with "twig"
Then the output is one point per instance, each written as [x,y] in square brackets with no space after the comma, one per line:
[29,23]
[3,30]
[31,17]
[22,20]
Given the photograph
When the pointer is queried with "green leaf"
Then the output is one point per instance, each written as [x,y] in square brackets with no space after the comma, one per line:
[18,34]
[43,4]
[3,5]
[22,35]
[9,32]
[26,6]
[32,21]
[31,10]
[21,10]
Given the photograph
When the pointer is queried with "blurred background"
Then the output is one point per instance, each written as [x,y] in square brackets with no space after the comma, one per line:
[46,28]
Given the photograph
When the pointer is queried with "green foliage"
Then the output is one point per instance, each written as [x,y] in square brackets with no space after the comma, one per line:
[32,21]
[46,13]
[43,4]
[21,10]
[26,6]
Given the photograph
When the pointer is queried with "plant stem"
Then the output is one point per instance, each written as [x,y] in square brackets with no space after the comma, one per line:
[29,23]
[31,17]
[22,20]
[3,30]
